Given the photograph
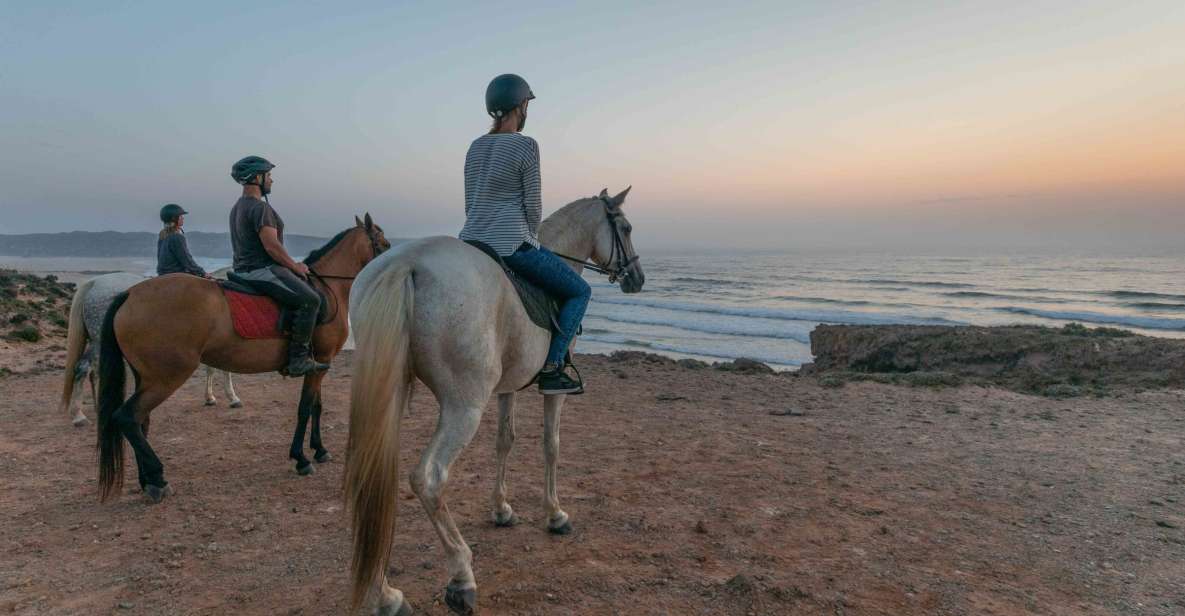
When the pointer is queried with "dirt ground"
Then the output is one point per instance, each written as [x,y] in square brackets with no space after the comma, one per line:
[687,496]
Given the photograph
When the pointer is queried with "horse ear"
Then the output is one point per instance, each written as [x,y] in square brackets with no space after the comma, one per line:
[604,193]
[620,198]
[369,222]
[357,220]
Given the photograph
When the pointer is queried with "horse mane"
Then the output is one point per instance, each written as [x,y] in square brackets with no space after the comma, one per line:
[321,252]
[551,228]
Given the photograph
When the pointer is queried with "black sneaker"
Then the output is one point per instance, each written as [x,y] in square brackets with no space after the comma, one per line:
[556,382]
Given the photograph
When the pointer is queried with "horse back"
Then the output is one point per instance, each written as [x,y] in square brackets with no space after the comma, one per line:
[466,312]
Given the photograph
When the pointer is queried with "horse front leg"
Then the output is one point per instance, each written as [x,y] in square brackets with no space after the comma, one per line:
[304,411]
[230,392]
[503,513]
[320,454]
[557,521]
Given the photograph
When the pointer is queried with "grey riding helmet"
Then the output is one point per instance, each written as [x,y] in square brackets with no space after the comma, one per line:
[505,93]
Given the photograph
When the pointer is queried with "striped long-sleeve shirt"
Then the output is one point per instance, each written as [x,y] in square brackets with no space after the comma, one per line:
[503,204]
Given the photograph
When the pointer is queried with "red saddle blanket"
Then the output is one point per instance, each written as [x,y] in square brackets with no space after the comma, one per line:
[254,316]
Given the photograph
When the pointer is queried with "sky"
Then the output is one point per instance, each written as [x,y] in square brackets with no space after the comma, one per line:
[913,126]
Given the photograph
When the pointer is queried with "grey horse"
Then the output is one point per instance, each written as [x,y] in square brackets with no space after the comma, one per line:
[87,309]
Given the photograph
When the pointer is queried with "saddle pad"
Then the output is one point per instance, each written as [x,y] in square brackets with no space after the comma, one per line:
[254,316]
[238,284]
[543,310]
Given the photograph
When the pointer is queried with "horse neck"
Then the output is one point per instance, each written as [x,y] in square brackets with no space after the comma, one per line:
[341,260]
[337,270]
[571,232]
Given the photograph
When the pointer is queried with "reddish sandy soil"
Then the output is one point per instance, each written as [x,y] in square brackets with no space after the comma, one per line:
[687,495]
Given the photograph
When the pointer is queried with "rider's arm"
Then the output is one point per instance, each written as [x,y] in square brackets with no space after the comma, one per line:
[532,192]
[180,248]
[271,243]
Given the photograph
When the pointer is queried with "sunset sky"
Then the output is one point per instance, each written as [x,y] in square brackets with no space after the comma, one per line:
[741,125]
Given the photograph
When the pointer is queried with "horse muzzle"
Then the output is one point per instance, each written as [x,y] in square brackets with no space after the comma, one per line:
[632,279]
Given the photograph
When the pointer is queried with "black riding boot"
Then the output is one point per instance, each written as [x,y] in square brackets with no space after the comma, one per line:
[300,362]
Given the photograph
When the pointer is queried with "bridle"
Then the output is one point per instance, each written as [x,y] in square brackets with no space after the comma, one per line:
[375,251]
[619,263]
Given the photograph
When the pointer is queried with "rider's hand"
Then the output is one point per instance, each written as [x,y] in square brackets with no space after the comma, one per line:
[301,270]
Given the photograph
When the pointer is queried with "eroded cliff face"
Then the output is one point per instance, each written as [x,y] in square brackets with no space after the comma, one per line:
[1026,358]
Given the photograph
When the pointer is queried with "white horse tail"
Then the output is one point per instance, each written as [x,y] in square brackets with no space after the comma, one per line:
[380,392]
[76,339]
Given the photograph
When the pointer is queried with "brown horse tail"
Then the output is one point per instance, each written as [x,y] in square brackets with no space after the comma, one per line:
[380,392]
[76,339]
[112,389]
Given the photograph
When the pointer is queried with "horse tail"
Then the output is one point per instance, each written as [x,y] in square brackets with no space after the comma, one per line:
[76,339]
[112,389]
[380,392]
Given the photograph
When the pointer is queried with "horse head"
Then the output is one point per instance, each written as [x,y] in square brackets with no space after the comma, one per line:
[350,250]
[613,247]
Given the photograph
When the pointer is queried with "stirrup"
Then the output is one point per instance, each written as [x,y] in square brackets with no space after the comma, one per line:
[309,364]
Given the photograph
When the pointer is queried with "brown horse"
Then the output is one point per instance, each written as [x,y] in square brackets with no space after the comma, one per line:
[197,330]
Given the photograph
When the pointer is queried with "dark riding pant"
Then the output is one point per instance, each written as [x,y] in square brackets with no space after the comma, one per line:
[284,286]
[550,273]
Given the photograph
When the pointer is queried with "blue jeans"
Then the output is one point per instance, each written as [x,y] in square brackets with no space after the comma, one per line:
[545,270]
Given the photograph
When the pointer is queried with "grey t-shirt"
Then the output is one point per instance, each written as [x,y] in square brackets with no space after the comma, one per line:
[247,218]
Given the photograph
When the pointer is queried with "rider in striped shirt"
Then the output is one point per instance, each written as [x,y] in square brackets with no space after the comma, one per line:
[503,208]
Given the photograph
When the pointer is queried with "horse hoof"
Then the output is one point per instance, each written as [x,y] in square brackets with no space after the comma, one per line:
[323,457]
[155,494]
[461,600]
[237,404]
[307,469]
[211,402]
[80,421]
[505,520]
[562,528]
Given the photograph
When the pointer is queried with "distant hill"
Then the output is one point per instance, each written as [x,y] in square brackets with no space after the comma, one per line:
[135,244]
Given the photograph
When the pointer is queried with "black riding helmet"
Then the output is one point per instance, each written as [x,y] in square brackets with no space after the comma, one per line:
[506,92]
[247,168]
[171,212]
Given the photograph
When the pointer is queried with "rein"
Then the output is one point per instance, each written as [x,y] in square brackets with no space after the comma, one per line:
[374,252]
[617,251]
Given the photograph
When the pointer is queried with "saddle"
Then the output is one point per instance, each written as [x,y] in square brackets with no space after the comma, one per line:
[543,309]
[257,316]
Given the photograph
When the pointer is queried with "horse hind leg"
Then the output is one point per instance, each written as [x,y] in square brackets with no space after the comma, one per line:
[503,513]
[391,602]
[82,373]
[133,421]
[456,427]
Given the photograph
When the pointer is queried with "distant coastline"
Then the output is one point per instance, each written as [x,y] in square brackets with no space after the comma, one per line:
[130,244]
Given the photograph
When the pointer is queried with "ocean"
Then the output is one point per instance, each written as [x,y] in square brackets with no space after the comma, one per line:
[764,306]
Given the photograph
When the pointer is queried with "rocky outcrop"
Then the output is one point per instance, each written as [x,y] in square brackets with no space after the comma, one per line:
[1025,358]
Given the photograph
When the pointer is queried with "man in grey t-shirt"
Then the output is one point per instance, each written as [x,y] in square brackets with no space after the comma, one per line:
[257,237]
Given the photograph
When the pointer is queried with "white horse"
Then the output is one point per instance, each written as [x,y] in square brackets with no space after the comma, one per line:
[90,303]
[441,310]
